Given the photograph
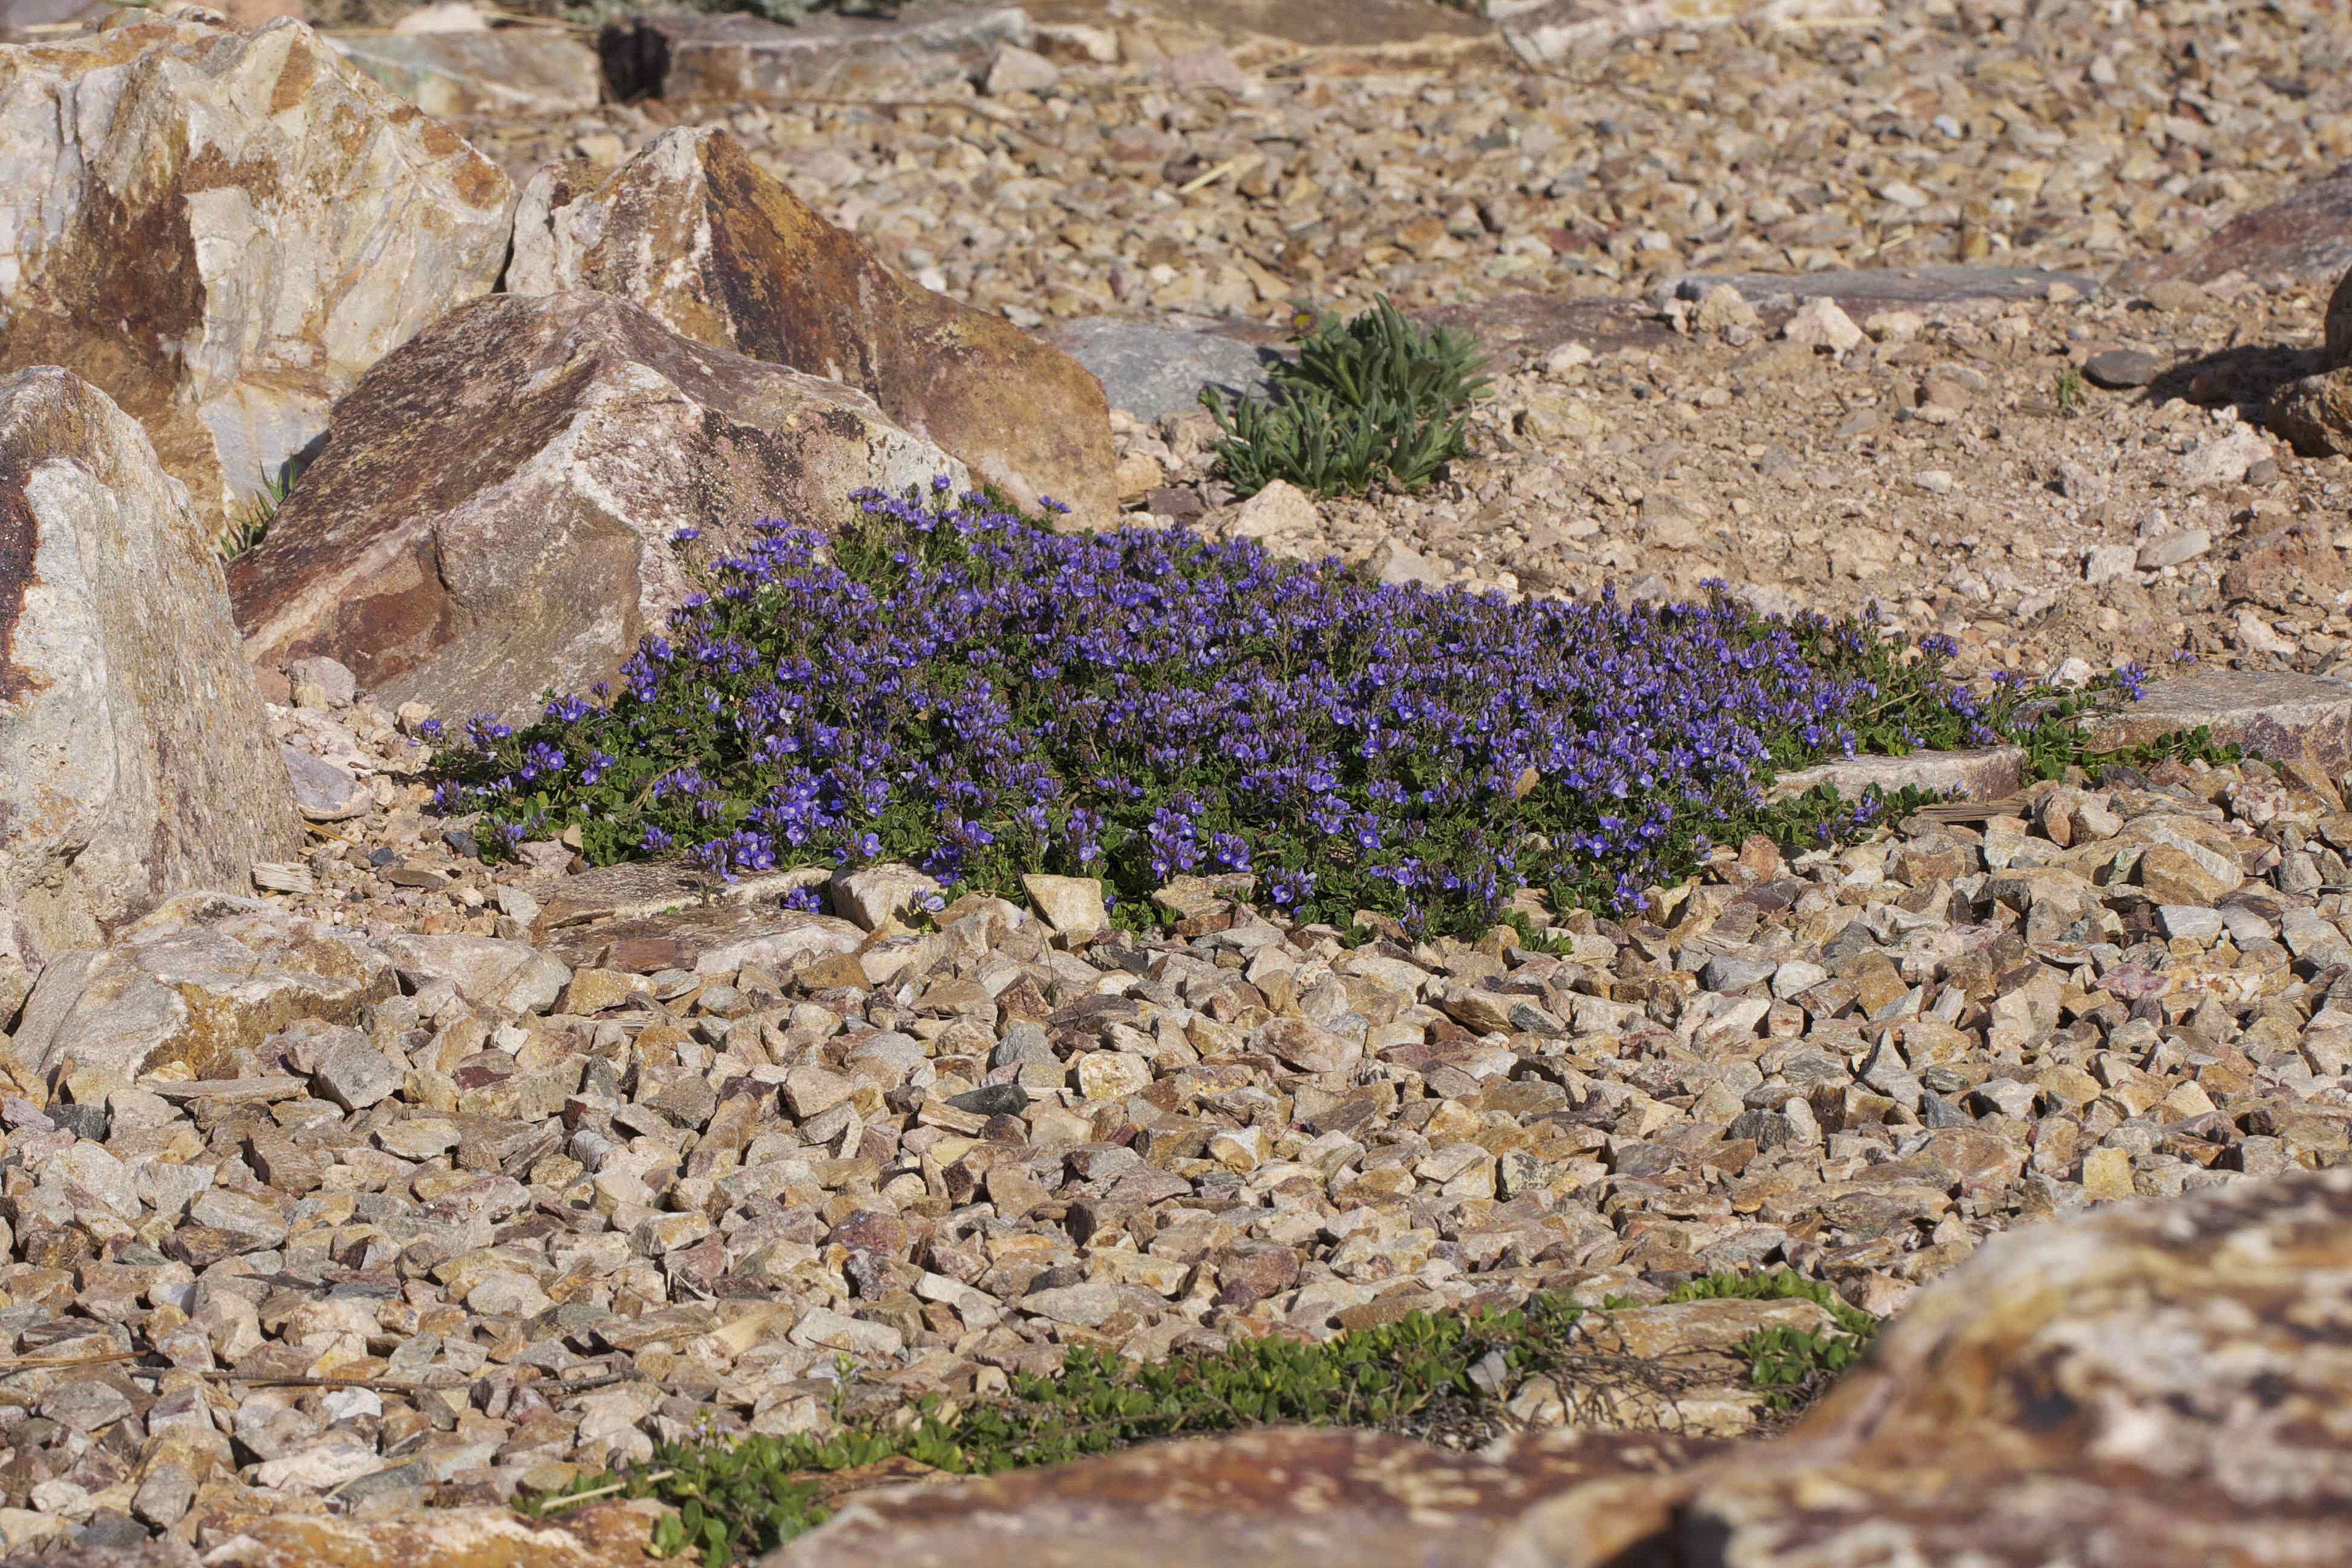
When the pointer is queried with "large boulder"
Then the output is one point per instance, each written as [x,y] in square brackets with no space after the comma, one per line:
[2149,1385]
[696,232]
[494,514]
[135,758]
[222,229]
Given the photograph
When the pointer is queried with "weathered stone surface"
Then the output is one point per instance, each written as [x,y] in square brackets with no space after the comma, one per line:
[2280,714]
[694,231]
[496,511]
[630,889]
[200,979]
[133,757]
[912,52]
[1318,38]
[17,14]
[1152,371]
[1279,1495]
[1986,773]
[2315,412]
[509,70]
[600,1536]
[2151,1384]
[510,976]
[1545,31]
[2305,234]
[324,791]
[706,939]
[223,230]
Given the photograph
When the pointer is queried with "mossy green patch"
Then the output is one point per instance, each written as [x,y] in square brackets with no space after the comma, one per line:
[735,1498]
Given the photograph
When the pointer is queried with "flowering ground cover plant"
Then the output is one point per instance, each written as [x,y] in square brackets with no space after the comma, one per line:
[949,684]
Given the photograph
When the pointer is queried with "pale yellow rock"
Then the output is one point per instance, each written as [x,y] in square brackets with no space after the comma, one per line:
[2108,1175]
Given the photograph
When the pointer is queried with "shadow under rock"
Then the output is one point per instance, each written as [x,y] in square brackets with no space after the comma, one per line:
[2242,373]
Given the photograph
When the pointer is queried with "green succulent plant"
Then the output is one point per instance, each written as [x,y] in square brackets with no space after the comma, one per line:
[1378,401]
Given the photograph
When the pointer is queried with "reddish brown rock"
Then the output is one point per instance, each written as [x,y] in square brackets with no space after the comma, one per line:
[223,230]
[694,231]
[2307,234]
[2280,714]
[1279,1495]
[2152,1386]
[494,515]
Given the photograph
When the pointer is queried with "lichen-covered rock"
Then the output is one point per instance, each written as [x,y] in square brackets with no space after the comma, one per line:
[2152,1384]
[222,229]
[135,760]
[201,978]
[697,233]
[496,511]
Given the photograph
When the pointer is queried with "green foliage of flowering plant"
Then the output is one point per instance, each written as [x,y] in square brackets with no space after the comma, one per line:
[736,1497]
[949,684]
[1379,400]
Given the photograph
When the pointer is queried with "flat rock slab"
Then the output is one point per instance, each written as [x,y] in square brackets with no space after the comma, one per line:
[2280,715]
[324,791]
[603,1535]
[916,51]
[1532,325]
[1861,291]
[1313,37]
[631,890]
[508,70]
[1543,32]
[1153,370]
[1277,1495]
[709,939]
[2305,234]
[1986,773]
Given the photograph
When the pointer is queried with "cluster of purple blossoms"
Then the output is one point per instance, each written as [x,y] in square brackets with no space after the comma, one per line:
[949,684]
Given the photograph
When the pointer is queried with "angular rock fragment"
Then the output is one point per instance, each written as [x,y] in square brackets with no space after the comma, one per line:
[719,250]
[201,978]
[498,509]
[134,758]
